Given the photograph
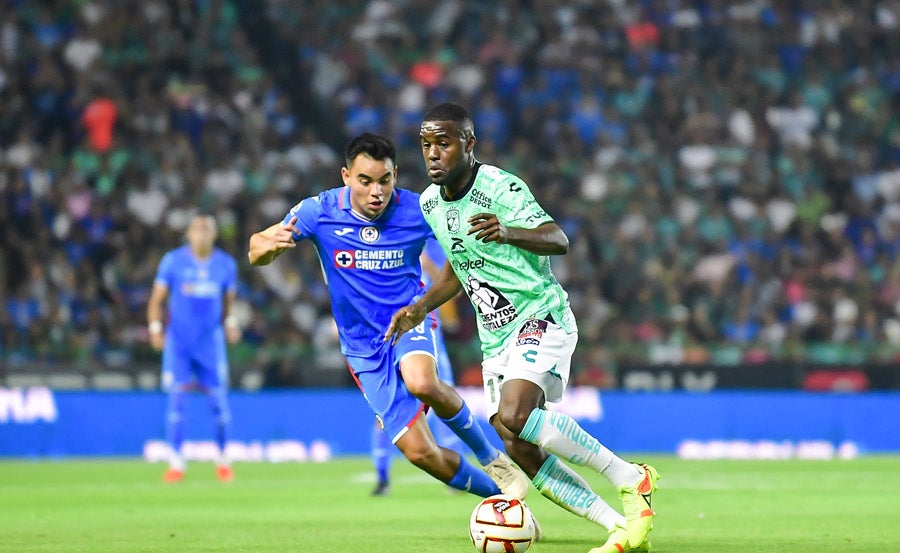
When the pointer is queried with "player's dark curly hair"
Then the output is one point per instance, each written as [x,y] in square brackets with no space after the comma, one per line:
[374,145]
[449,111]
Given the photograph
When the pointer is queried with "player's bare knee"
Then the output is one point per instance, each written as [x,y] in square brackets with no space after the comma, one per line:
[514,419]
[425,388]
[423,456]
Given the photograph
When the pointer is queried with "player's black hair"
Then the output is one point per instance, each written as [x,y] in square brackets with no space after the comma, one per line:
[449,111]
[373,145]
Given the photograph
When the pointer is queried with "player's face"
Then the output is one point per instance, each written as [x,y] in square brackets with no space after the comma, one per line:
[447,150]
[201,233]
[371,182]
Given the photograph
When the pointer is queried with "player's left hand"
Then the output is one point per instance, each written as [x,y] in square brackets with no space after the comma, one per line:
[489,228]
[406,318]
[232,334]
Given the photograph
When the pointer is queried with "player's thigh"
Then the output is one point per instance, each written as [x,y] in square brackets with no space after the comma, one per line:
[176,366]
[540,353]
[416,354]
[387,395]
[210,363]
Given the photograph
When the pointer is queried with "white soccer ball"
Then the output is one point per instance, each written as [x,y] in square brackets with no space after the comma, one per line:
[501,524]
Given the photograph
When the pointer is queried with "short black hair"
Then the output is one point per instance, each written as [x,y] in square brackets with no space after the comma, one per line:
[371,144]
[448,111]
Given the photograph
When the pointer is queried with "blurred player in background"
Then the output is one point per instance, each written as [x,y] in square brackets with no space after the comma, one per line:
[199,282]
[498,241]
[369,237]
[432,259]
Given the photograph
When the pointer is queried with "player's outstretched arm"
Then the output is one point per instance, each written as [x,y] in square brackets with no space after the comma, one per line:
[547,239]
[158,296]
[406,318]
[268,244]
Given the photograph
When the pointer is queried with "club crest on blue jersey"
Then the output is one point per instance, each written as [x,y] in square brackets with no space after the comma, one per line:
[453,220]
[344,259]
[369,234]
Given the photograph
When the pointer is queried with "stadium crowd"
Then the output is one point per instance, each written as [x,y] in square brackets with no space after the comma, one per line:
[728,173]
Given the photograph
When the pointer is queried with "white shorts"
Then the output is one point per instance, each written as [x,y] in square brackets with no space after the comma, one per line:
[539,352]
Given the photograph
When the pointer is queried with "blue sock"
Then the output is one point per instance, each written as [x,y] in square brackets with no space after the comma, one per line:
[382,452]
[443,435]
[175,419]
[473,480]
[467,428]
[219,405]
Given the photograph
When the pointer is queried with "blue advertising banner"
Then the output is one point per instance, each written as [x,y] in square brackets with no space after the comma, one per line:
[301,425]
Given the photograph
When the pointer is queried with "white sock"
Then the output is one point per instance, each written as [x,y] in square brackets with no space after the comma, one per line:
[176,461]
[604,515]
[560,484]
[222,459]
[561,434]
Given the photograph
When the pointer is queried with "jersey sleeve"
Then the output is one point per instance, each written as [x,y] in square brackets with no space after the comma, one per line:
[165,273]
[516,205]
[307,213]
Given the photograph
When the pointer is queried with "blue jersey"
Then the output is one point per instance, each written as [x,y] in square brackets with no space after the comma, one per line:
[372,268]
[197,288]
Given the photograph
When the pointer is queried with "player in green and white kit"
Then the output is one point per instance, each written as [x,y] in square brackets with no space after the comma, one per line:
[498,239]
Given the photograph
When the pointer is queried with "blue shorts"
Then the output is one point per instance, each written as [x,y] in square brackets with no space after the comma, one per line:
[379,378]
[203,362]
[444,368]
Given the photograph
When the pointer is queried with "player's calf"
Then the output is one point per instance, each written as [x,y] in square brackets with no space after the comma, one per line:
[430,460]
[420,378]
[447,466]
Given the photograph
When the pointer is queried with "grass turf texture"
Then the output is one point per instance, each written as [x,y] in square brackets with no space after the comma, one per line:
[705,506]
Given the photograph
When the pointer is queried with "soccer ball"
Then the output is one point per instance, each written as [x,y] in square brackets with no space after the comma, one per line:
[501,524]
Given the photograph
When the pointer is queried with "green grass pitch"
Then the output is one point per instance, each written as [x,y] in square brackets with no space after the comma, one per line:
[702,506]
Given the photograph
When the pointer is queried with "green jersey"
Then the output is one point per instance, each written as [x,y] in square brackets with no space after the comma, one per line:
[506,284]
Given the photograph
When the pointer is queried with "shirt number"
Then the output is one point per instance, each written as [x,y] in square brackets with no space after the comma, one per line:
[492,390]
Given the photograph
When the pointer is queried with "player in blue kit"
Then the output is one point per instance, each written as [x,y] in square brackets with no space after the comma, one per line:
[199,281]
[369,236]
[432,259]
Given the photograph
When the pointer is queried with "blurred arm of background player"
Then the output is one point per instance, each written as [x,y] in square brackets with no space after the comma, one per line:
[155,309]
[232,328]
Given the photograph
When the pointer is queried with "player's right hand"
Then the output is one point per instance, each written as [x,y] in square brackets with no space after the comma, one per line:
[406,318]
[284,236]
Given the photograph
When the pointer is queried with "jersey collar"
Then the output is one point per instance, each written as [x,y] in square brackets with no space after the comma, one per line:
[464,191]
